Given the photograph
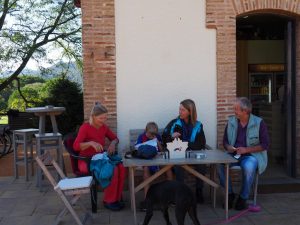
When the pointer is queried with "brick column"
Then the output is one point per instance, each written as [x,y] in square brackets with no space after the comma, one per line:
[99,62]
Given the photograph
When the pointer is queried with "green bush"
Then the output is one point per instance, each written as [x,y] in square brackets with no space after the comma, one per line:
[65,93]
[32,93]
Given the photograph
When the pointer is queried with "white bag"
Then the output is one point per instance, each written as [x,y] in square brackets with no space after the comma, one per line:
[177,149]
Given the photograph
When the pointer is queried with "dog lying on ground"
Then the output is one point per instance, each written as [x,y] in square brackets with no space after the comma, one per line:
[171,192]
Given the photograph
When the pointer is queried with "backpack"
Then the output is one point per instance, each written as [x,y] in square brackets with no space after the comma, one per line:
[143,152]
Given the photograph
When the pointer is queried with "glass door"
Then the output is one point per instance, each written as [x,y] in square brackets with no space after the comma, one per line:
[260,89]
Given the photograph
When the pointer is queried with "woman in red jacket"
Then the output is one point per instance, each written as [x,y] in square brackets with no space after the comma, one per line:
[90,141]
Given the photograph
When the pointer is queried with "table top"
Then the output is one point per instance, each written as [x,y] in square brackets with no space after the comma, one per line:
[46,109]
[212,157]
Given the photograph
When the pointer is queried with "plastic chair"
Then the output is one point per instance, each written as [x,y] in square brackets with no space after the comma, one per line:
[74,157]
[74,187]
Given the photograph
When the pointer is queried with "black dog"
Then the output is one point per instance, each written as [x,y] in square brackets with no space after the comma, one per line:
[171,192]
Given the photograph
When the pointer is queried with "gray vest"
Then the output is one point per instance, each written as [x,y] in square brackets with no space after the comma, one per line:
[252,138]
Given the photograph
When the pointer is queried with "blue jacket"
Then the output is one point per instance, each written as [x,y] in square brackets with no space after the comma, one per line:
[252,138]
[197,137]
[103,169]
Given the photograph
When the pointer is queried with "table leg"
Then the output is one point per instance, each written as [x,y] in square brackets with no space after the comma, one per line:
[200,176]
[226,189]
[38,169]
[15,146]
[214,175]
[42,122]
[132,193]
[53,122]
[25,157]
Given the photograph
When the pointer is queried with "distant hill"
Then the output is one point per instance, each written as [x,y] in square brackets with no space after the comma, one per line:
[73,73]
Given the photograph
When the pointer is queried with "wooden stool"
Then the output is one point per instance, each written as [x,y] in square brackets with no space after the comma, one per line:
[23,137]
[48,142]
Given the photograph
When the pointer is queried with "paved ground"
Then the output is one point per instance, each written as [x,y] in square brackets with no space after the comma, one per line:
[21,203]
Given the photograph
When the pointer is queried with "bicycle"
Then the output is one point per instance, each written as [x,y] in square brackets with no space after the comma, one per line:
[5,140]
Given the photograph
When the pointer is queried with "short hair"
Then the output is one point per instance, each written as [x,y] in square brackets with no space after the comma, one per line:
[245,104]
[189,104]
[97,110]
[152,128]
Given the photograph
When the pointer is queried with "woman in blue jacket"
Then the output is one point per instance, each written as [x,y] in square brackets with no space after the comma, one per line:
[187,128]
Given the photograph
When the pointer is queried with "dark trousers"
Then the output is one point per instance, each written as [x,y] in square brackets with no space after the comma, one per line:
[179,174]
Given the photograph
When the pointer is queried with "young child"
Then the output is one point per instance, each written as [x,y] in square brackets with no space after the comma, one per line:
[151,133]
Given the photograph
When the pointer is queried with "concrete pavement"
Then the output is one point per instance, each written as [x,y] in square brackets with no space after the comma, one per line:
[21,203]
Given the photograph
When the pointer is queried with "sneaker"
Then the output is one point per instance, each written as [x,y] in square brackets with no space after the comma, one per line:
[142,206]
[231,198]
[114,206]
[241,204]
[199,196]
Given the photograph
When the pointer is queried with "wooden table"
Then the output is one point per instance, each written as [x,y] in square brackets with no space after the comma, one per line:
[42,112]
[213,157]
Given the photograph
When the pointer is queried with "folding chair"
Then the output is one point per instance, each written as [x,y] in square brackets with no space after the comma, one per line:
[74,187]
[74,157]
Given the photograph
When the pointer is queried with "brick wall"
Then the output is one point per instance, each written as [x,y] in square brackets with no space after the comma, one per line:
[221,15]
[98,23]
[99,62]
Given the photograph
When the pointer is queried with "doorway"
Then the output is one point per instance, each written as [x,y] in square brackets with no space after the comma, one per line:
[265,74]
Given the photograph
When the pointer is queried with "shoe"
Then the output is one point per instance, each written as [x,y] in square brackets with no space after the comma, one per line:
[241,204]
[142,206]
[199,196]
[122,204]
[231,198]
[114,206]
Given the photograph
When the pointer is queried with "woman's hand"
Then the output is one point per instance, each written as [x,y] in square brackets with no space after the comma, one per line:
[97,146]
[176,135]
[111,148]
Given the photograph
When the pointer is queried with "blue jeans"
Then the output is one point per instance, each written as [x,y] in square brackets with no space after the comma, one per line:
[248,165]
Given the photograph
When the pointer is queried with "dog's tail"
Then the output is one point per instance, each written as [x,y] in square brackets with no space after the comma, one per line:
[193,214]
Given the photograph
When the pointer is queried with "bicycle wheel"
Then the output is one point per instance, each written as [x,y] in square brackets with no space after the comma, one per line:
[2,145]
[8,142]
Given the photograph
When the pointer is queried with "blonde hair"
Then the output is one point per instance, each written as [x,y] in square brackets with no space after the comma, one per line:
[97,110]
[189,104]
[152,128]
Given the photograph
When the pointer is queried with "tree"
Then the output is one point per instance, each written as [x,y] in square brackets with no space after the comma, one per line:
[65,93]
[11,92]
[28,28]
[33,93]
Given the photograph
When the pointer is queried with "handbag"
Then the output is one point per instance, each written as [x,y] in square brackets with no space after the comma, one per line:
[143,152]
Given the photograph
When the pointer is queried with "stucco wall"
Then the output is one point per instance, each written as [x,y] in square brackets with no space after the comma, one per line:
[164,54]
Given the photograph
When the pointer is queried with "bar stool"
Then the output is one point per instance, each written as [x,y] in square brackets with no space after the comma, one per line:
[48,142]
[23,137]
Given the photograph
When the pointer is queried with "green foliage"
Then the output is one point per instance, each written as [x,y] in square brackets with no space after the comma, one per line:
[31,30]
[9,97]
[3,119]
[65,93]
[3,105]
[32,93]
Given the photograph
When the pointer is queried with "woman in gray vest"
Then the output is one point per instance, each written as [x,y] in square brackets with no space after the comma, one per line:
[246,138]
